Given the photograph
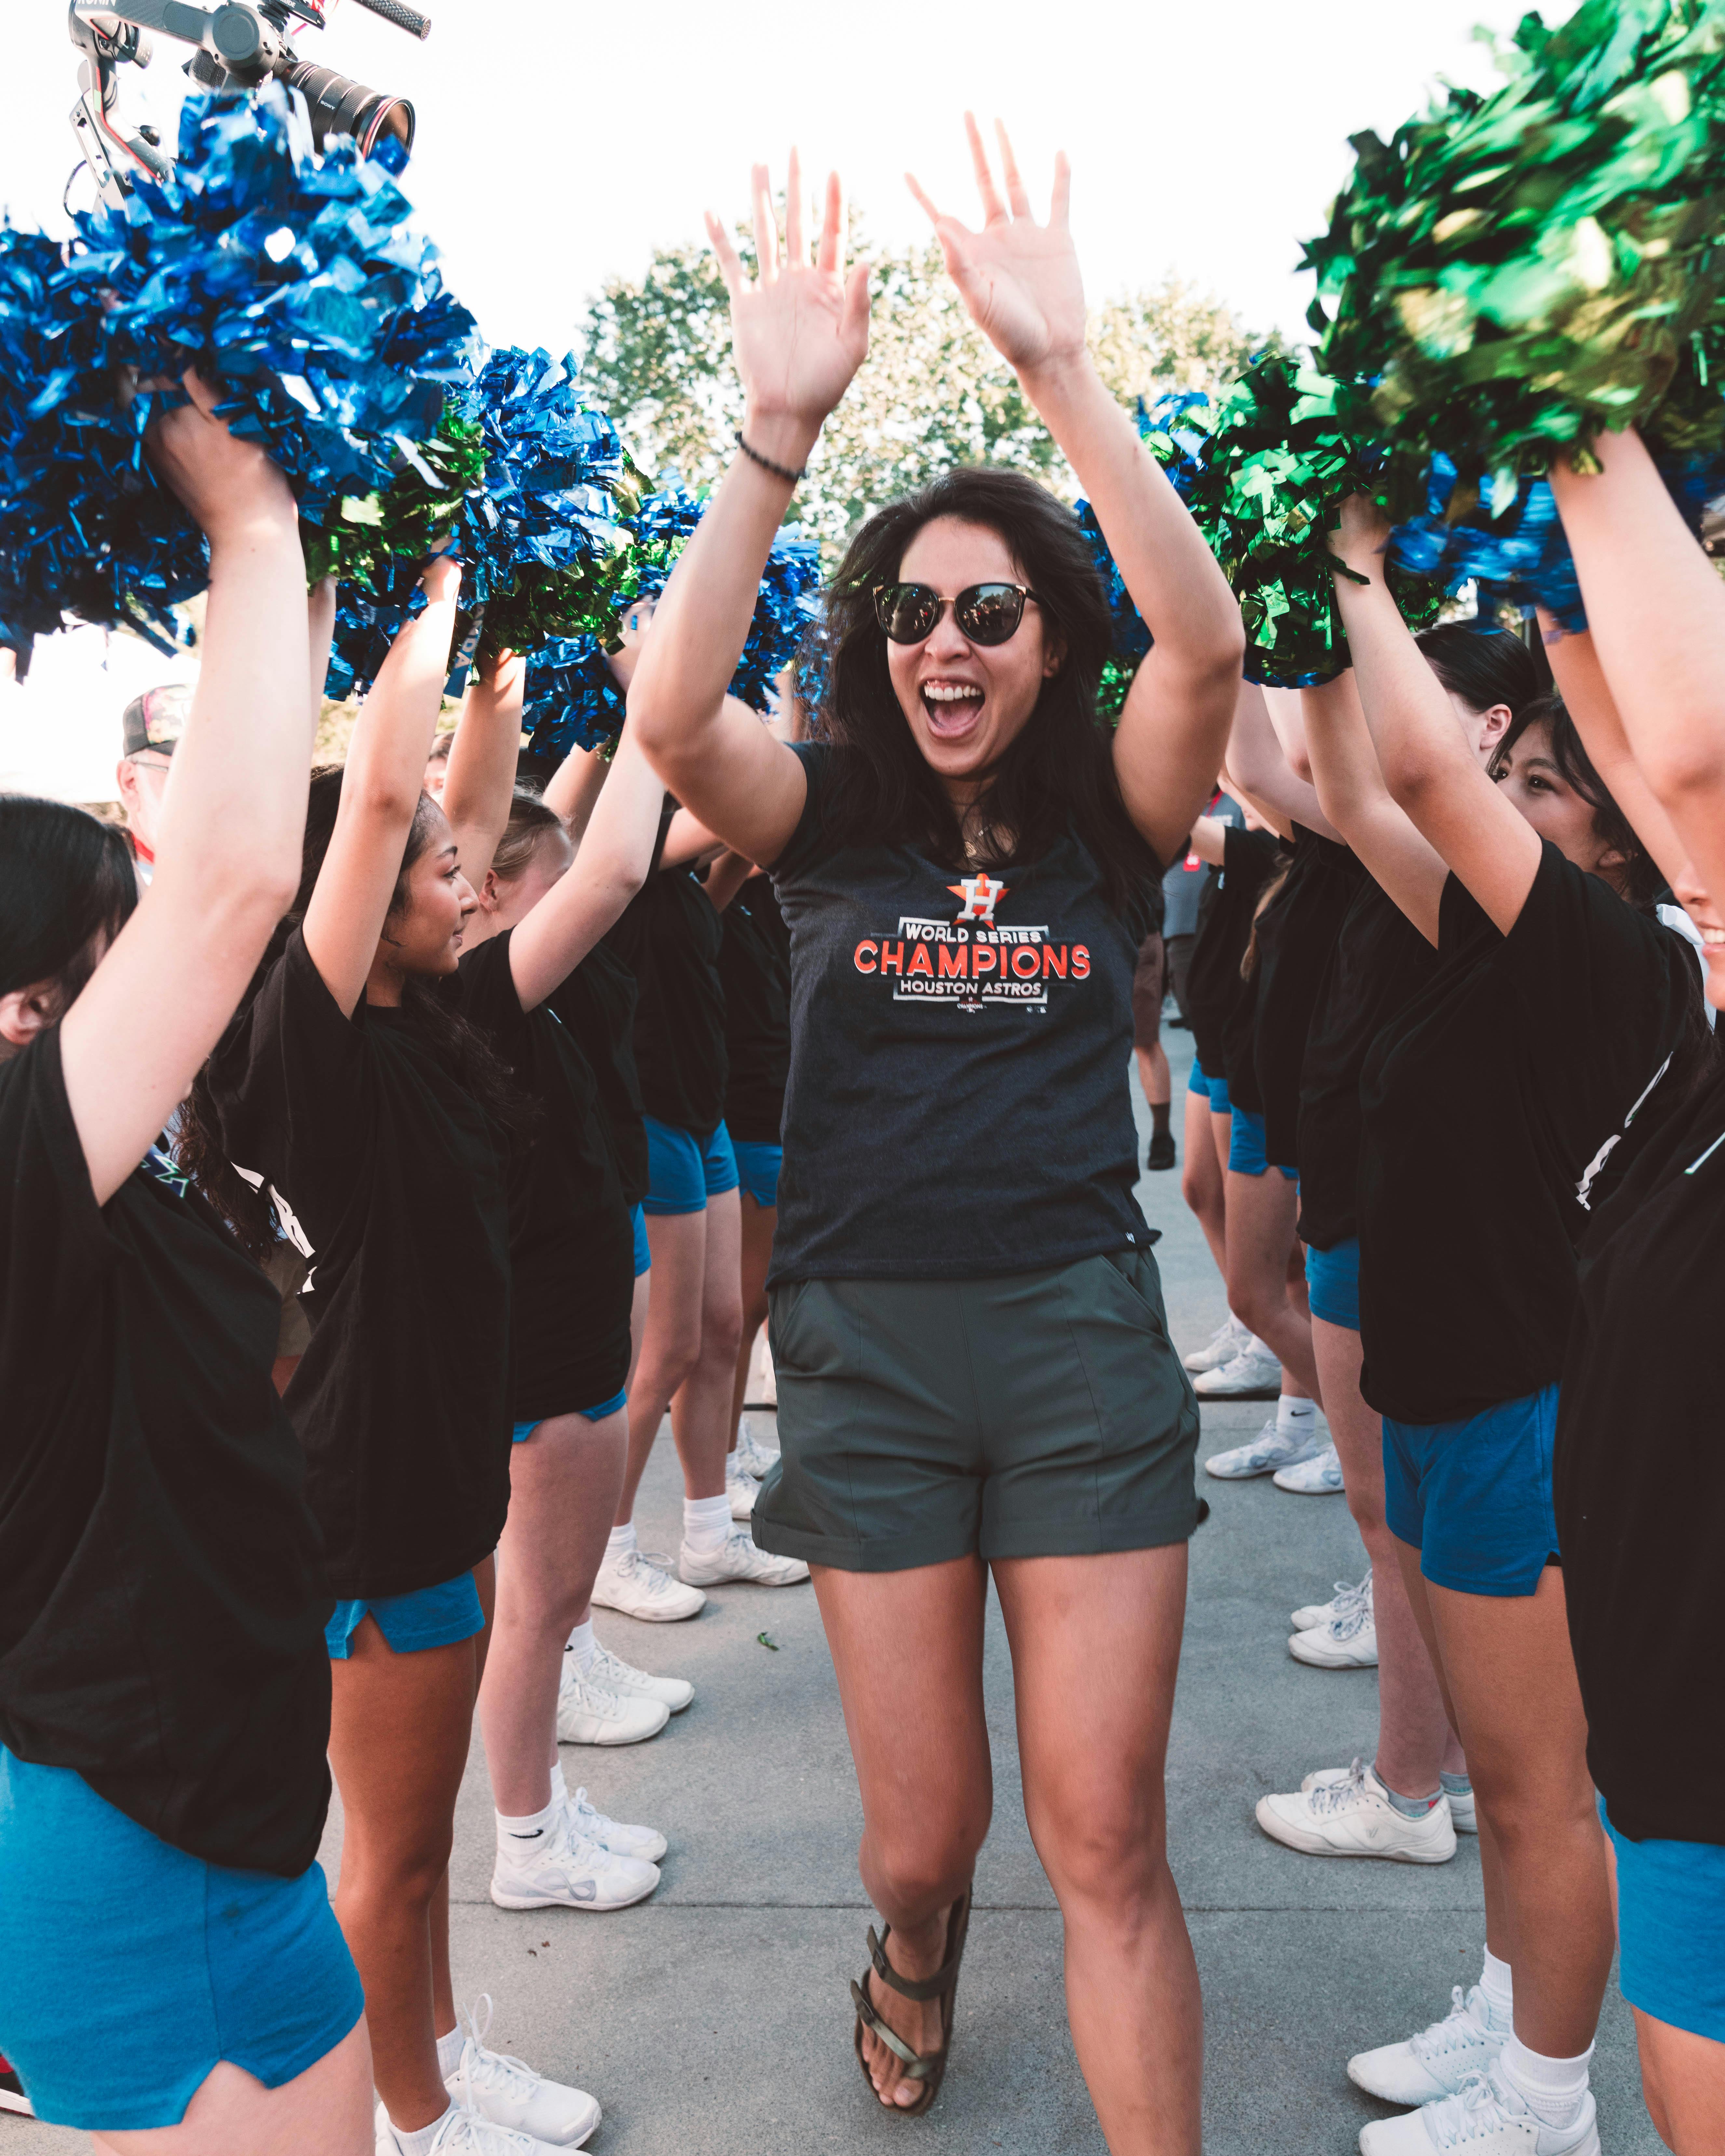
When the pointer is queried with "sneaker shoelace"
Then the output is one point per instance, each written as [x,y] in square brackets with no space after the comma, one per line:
[1459,2026]
[1349,1592]
[1349,1622]
[655,1564]
[499,2071]
[1342,1795]
[590,1821]
[611,1673]
[1485,2103]
[597,1697]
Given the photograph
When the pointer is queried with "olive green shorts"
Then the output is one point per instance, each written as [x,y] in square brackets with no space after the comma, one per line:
[1039,1415]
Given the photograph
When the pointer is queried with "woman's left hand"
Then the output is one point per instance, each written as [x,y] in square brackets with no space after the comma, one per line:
[1363,535]
[1019,279]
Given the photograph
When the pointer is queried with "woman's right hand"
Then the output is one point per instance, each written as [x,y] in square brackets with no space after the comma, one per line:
[800,330]
[225,483]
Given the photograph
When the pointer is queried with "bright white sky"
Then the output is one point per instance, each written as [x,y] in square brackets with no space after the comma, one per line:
[559,142]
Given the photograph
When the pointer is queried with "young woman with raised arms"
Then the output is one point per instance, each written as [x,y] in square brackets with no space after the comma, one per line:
[959,1146]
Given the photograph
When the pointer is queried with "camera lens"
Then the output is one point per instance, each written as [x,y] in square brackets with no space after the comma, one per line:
[339,106]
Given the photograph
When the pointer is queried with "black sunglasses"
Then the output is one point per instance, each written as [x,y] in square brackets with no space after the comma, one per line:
[986,614]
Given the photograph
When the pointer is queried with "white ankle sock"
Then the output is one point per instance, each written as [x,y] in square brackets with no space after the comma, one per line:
[581,1644]
[1498,1987]
[1552,2089]
[1294,1415]
[419,2143]
[621,1540]
[707,1522]
[448,2053]
[559,1787]
[519,1838]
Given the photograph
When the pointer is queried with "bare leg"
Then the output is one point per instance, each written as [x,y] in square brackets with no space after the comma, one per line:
[1201,1183]
[326,2111]
[907,1648]
[1412,1729]
[1683,2081]
[1261,1210]
[564,1481]
[701,1403]
[1155,1076]
[671,1339]
[758,1222]
[638,1324]
[1511,1680]
[398,1737]
[1096,1644]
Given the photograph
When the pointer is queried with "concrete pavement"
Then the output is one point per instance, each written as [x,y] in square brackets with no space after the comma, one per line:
[714,2021]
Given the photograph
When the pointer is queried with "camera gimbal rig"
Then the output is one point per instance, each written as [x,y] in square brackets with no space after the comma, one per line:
[238,44]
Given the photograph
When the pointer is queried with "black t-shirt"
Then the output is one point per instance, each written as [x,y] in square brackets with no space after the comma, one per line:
[755,968]
[398,1179]
[1494,1103]
[1214,991]
[679,1019]
[572,1245]
[1640,1486]
[160,1612]
[598,1004]
[1380,962]
[960,1046]
[1296,934]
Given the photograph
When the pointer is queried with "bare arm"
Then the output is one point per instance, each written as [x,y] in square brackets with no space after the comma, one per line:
[726,877]
[799,334]
[1021,283]
[688,841]
[1587,696]
[1655,612]
[575,784]
[1357,801]
[1209,840]
[1424,755]
[609,867]
[321,621]
[228,861]
[380,794]
[482,758]
[1255,758]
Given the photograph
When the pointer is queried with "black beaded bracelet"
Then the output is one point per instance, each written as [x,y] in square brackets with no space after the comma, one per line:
[779,471]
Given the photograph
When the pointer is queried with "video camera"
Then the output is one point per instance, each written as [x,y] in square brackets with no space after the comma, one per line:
[239,44]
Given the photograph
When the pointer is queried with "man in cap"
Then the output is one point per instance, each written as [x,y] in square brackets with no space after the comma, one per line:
[152,724]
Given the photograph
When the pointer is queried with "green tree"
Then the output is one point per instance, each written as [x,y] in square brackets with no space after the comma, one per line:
[931,393]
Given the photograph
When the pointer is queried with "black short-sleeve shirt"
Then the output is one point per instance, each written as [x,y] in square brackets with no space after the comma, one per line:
[160,1611]
[960,1043]
[398,1179]
[1296,934]
[1640,1485]
[1215,993]
[1500,1104]
[755,968]
[572,1246]
[597,1003]
[679,1019]
[1380,962]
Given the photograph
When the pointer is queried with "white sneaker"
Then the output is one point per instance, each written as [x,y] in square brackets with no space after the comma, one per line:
[753,1457]
[634,1585]
[466,2133]
[1464,1815]
[741,1488]
[588,1713]
[1222,1347]
[644,1843]
[1253,1374]
[1439,2060]
[1322,1613]
[612,1674]
[739,1556]
[1346,1642]
[1269,1451]
[1487,2118]
[1354,1817]
[508,2091]
[568,1871]
[1319,1476]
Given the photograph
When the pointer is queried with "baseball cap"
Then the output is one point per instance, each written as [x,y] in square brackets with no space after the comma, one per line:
[156,719]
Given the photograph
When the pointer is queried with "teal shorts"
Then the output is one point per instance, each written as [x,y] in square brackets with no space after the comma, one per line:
[1037,1414]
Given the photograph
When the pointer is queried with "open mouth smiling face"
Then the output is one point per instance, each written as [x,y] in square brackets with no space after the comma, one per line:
[965,702]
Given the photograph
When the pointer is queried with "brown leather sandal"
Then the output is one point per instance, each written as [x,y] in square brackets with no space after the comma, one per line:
[930,2069]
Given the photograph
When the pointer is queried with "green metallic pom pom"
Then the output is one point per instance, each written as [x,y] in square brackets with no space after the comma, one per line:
[1518,272]
[413,518]
[1263,474]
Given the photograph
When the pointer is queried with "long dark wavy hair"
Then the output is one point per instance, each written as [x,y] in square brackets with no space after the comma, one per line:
[463,1050]
[66,889]
[1058,775]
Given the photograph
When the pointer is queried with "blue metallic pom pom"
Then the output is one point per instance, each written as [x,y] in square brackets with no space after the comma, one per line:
[573,700]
